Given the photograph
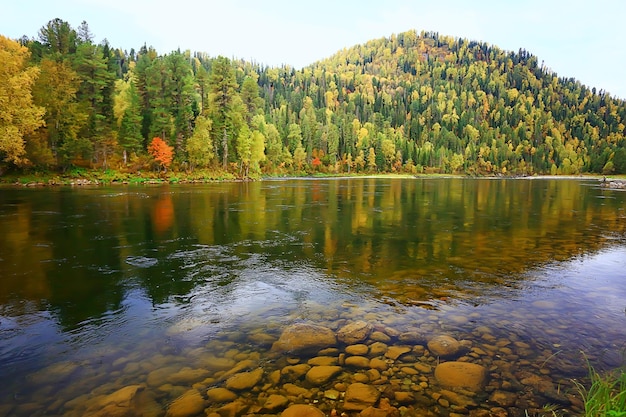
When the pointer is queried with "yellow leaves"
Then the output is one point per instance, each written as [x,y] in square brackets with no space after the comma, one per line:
[18,115]
[512,94]
[121,101]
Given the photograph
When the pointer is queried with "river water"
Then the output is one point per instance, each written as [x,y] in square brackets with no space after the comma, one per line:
[168,290]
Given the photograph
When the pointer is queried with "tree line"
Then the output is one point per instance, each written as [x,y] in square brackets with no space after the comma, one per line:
[412,102]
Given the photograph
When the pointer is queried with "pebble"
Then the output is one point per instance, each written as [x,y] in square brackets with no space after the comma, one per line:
[357,350]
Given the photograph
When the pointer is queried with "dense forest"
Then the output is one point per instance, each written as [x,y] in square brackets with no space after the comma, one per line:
[412,103]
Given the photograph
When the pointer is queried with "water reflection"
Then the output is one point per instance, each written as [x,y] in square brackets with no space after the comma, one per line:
[73,251]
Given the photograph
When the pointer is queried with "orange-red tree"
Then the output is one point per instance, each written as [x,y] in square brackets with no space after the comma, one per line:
[161,152]
[316,162]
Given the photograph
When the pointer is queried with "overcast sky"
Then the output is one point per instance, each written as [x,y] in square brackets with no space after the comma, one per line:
[576,38]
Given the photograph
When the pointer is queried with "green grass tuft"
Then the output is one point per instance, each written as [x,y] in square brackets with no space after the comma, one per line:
[606,396]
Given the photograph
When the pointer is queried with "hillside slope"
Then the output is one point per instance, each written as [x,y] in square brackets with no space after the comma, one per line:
[453,104]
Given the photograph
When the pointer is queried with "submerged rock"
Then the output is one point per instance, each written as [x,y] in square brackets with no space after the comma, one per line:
[403,397]
[292,389]
[275,402]
[302,338]
[187,376]
[357,350]
[319,375]
[359,396]
[236,408]
[244,380]
[503,398]
[190,403]
[461,375]
[379,364]
[378,349]
[123,397]
[354,332]
[444,346]
[323,361]
[357,362]
[221,395]
[302,410]
[457,399]
[411,337]
[384,410]
[123,402]
[394,352]
[293,372]
[214,363]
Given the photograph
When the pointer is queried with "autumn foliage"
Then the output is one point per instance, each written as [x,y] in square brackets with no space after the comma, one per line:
[161,152]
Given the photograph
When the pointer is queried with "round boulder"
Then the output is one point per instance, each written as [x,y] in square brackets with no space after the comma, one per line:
[444,346]
[304,338]
[461,375]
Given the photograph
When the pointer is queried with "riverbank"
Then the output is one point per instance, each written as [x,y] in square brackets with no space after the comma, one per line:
[96,178]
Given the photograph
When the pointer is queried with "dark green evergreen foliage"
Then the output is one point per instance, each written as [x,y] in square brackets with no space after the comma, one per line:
[223,98]
[130,137]
[57,38]
[411,102]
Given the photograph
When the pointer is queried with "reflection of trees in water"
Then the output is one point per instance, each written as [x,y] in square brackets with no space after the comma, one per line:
[414,239]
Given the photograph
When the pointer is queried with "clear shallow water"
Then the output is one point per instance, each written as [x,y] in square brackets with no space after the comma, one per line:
[101,288]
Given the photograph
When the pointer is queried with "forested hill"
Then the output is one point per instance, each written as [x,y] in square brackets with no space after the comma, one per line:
[412,102]
[457,105]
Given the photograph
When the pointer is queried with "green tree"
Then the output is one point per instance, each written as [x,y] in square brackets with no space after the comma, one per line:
[200,146]
[274,146]
[294,137]
[129,135]
[202,84]
[250,97]
[244,149]
[388,149]
[299,157]
[619,161]
[223,99]
[55,90]
[58,39]
[371,160]
[359,161]
[257,151]
[96,83]
[180,91]
[308,124]
[161,123]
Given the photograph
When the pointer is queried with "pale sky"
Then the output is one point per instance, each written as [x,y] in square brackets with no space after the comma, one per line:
[581,39]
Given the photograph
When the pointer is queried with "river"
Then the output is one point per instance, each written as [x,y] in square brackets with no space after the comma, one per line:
[147,300]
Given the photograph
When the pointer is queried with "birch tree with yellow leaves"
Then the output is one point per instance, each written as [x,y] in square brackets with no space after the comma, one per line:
[18,116]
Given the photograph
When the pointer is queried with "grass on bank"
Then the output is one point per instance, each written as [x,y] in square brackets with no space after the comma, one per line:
[86,176]
[606,394]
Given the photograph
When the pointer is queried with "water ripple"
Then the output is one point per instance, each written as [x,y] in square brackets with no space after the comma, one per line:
[141,261]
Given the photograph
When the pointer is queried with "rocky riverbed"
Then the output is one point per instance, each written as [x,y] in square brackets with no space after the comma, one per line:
[347,367]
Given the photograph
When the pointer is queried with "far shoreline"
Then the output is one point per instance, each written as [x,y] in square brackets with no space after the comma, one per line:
[51,180]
